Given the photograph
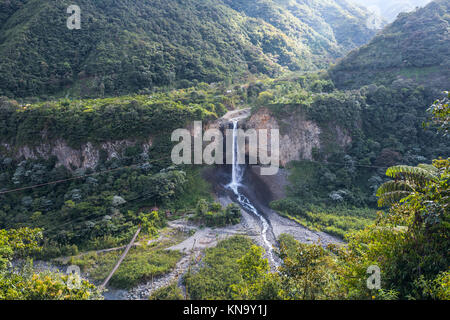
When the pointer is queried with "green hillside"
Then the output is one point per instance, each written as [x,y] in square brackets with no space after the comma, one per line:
[413,48]
[329,28]
[129,46]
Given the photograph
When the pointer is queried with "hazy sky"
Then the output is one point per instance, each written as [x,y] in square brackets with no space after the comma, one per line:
[389,9]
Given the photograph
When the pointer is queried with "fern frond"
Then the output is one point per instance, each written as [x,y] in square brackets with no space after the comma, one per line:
[430,168]
[391,186]
[389,198]
[393,191]
[414,175]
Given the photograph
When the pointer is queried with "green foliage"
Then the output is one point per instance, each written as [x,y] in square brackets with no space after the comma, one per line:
[98,210]
[440,113]
[128,46]
[219,270]
[141,264]
[385,127]
[164,185]
[98,120]
[170,292]
[407,181]
[252,265]
[18,243]
[213,215]
[257,283]
[409,244]
[202,208]
[23,283]
[336,220]
[151,222]
[45,286]
[194,189]
[307,271]
[391,59]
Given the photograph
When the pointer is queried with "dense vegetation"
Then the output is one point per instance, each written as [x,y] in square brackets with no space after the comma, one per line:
[148,48]
[170,292]
[337,220]
[408,244]
[219,270]
[141,264]
[214,215]
[22,282]
[97,210]
[332,191]
[98,206]
[129,46]
[102,120]
[413,48]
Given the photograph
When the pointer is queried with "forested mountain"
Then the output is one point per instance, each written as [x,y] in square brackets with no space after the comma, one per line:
[413,48]
[126,45]
[389,9]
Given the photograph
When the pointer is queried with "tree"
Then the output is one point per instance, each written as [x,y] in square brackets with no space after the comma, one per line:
[306,273]
[410,243]
[440,113]
[151,222]
[18,243]
[23,283]
[202,208]
[407,180]
[257,283]
[233,213]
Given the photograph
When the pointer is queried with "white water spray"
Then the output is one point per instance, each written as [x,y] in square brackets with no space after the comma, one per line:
[236,178]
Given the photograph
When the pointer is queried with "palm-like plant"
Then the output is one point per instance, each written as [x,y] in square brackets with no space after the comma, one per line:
[407,180]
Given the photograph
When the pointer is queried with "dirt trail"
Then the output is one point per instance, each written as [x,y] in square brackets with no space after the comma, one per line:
[193,247]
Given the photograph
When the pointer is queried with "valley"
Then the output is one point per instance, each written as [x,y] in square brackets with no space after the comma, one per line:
[356,123]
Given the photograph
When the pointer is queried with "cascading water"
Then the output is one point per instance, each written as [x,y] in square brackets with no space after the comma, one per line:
[236,172]
[235,184]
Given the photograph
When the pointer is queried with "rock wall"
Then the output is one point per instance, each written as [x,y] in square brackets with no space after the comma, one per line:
[298,136]
[87,156]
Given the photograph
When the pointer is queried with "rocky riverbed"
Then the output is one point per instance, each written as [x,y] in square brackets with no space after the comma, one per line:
[194,246]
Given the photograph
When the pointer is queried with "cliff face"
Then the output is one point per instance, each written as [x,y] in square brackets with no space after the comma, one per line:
[298,136]
[87,156]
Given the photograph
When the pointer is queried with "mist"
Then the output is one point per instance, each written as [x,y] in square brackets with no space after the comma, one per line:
[389,9]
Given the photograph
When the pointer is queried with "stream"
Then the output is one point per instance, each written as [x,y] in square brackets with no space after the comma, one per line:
[237,172]
[259,222]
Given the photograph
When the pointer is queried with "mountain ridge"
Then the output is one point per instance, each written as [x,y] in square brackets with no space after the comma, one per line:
[413,49]
[124,46]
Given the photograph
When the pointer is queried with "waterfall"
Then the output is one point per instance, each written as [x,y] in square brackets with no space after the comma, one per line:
[236,172]
[236,179]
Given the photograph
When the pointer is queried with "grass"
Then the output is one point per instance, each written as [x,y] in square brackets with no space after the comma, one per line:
[141,264]
[170,292]
[196,188]
[219,270]
[337,221]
